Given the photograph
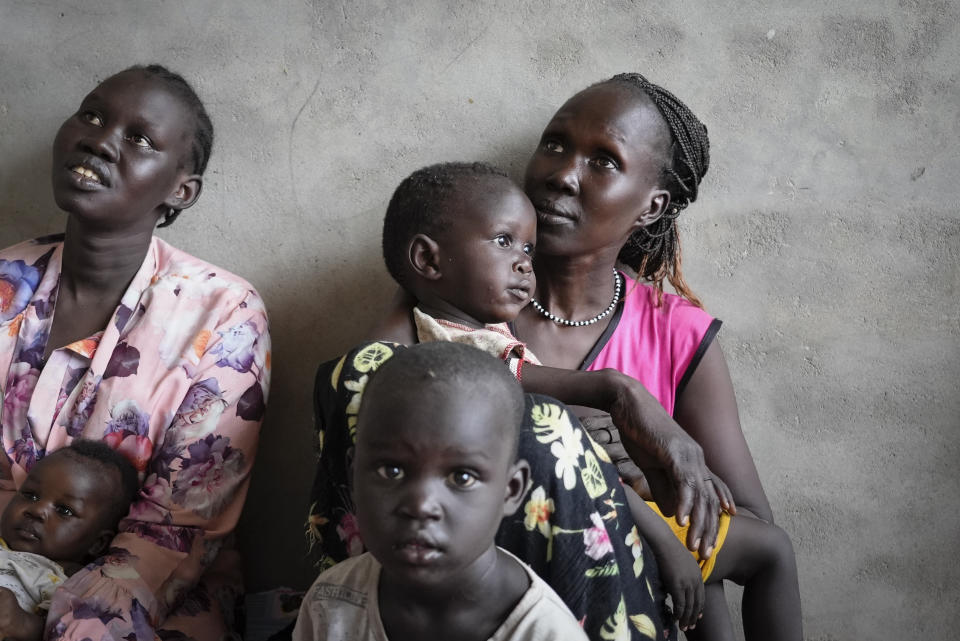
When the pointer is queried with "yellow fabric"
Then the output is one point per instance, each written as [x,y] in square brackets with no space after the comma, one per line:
[680,531]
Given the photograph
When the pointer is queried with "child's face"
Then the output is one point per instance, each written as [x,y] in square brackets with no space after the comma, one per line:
[120,158]
[434,474]
[486,269]
[61,509]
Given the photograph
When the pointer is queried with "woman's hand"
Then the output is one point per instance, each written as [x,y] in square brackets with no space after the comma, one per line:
[16,624]
[684,487]
[669,458]
[672,463]
[605,433]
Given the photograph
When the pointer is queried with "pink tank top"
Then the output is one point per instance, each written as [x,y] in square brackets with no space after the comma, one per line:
[659,346]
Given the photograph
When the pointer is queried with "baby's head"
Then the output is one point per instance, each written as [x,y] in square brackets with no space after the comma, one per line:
[68,507]
[460,237]
[435,468]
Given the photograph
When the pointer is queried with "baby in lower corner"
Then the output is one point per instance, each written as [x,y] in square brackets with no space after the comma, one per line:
[63,516]
[435,471]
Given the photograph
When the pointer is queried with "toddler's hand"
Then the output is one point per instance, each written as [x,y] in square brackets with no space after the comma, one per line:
[683,582]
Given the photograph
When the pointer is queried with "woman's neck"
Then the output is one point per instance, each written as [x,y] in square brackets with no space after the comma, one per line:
[100,265]
[575,287]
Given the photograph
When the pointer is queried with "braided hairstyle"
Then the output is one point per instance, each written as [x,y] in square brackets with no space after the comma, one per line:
[202,126]
[654,251]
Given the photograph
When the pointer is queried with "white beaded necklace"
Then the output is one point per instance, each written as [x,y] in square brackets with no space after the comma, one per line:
[590,321]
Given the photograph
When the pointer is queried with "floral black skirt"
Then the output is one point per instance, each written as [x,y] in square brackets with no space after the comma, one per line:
[574,529]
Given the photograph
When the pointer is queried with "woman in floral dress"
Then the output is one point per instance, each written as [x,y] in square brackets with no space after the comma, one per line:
[109,333]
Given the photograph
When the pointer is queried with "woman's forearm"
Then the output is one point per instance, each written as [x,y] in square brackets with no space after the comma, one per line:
[645,427]
[707,410]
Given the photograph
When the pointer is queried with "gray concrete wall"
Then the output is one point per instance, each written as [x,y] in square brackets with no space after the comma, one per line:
[827,235]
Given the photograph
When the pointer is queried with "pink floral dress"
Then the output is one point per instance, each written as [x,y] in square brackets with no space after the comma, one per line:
[177,381]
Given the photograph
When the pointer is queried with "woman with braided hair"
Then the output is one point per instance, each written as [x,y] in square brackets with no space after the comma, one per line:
[614,168]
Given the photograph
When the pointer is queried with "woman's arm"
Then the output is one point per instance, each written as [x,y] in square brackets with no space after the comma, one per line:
[707,411]
[672,462]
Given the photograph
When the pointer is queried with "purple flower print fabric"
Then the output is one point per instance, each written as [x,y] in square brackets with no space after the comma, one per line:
[177,381]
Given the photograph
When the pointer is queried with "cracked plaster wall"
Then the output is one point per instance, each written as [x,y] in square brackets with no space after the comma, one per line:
[827,236]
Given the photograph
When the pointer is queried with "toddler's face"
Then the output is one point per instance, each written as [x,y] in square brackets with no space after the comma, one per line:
[61,509]
[433,477]
[486,254]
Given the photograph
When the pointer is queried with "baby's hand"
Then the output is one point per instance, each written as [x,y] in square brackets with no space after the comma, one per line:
[16,624]
[683,582]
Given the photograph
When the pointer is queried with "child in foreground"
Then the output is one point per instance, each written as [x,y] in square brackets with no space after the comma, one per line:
[435,471]
[459,237]
[64,515]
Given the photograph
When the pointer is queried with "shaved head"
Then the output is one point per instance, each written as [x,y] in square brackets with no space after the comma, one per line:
[450,369]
